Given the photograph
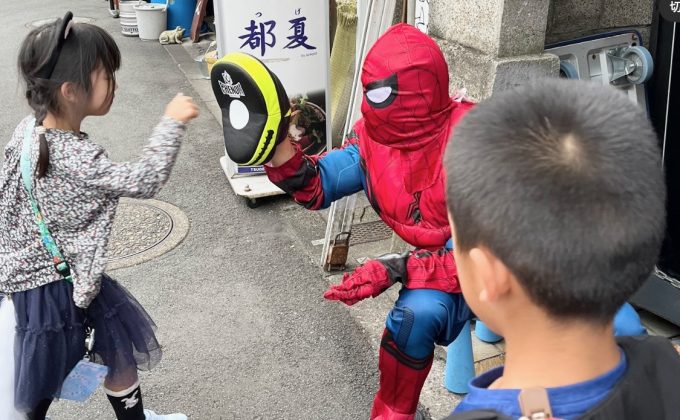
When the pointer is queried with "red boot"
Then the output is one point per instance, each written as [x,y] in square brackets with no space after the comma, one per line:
[401,379]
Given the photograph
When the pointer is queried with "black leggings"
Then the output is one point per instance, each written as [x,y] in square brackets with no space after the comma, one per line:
[40,411]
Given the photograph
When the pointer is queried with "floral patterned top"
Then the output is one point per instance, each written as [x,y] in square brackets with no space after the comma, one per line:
[78,197]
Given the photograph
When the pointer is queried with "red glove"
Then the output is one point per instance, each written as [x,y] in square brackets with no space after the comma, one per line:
[371,279]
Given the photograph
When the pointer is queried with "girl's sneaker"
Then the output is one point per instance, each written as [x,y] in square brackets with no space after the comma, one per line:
[150,415]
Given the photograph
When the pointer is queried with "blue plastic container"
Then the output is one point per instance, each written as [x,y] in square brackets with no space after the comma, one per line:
[180,13]
[485,334]
[460,362]
[627,322]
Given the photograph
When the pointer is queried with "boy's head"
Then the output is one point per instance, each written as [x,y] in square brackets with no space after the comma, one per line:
[556,195]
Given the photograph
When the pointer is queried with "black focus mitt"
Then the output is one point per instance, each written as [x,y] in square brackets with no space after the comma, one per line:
[255,107]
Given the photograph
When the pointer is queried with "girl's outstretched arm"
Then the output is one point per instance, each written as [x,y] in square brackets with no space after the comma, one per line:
[142,178]
[145,177]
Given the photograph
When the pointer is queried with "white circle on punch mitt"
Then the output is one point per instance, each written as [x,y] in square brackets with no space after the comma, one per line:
[238,114]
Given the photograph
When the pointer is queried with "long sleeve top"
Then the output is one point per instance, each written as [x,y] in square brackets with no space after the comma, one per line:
[78,197]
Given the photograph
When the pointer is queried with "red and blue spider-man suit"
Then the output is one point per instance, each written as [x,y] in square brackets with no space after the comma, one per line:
[394,154]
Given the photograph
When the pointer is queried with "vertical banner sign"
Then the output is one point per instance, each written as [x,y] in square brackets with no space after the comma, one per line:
[291,37]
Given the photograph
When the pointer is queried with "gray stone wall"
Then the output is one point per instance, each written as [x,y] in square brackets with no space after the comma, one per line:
[570,19]
[492,45]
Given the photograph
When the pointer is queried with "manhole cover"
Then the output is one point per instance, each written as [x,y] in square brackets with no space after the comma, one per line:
[41,22]
[370,232]
[138,227]
[143,230]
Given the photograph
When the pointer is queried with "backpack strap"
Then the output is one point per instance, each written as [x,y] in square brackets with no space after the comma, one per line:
[478,415]
[535,404]
[60,264]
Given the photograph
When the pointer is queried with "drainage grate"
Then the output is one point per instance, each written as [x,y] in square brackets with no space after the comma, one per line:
[143,230]
[370,232]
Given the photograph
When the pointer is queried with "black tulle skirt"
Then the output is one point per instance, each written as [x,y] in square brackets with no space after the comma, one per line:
[50,338]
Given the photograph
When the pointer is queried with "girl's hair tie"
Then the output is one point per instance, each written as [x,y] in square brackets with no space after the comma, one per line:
[40,130]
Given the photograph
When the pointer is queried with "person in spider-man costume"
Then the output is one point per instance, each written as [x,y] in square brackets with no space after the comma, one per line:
[394,154]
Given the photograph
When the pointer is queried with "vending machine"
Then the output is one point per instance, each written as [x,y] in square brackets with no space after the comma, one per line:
[661,293]
[621,60]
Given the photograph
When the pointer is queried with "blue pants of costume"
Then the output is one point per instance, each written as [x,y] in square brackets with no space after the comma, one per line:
[420,319]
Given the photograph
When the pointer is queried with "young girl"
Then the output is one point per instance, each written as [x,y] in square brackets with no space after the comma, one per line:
[53,239]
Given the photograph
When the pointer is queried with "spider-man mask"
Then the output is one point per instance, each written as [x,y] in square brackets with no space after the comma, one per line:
[406,102]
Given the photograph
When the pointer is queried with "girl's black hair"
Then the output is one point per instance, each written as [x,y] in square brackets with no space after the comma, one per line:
[85,49]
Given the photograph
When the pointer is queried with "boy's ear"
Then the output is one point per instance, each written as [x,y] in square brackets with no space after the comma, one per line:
[493,276]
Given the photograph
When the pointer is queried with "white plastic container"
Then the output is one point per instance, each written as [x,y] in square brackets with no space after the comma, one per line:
[128,18]
[151,20]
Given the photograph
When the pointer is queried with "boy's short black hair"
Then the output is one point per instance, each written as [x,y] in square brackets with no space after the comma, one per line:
[562,181]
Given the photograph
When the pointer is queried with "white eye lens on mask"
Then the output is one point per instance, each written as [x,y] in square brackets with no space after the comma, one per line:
[379,95]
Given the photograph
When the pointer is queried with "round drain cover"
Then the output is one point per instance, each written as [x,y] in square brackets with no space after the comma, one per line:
[41,22]
[143,230]
[138,227]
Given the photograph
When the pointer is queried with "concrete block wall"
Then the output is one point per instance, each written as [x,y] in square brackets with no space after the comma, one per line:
[493,45]
[570,19]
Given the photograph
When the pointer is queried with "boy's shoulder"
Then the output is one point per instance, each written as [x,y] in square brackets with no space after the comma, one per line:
[649,387]
[646,390]
[640,345]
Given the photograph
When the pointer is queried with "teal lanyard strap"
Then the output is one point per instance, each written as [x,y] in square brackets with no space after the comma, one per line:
[60,263]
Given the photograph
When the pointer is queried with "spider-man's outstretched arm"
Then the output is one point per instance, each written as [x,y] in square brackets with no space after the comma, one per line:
[316,181]
[418,269]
